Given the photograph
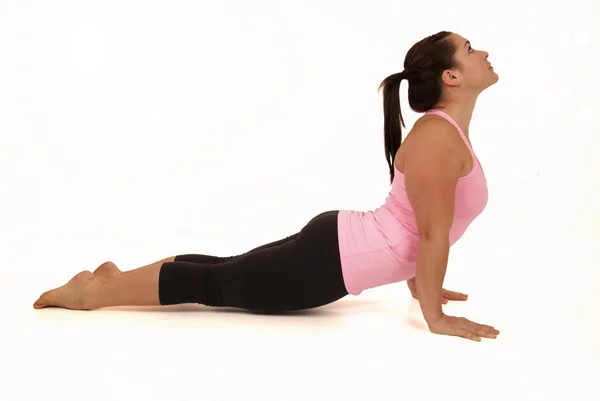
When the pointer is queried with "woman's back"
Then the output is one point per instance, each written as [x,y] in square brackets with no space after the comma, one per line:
[381,246]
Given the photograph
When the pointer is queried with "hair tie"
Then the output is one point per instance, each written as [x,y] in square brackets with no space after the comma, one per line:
[404,74]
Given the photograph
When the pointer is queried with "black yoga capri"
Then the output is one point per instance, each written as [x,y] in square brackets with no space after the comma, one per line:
[301,271]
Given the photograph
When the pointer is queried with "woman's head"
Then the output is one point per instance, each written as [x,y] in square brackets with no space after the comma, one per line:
[440,68]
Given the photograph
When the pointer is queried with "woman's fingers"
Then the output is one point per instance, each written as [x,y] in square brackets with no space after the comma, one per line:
[483,330]
[446,296]
[469,335]
[454,296]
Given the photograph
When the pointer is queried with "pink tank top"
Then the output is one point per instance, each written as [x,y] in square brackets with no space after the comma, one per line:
[380,247]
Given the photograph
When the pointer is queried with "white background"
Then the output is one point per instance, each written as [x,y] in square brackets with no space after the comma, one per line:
[135,130]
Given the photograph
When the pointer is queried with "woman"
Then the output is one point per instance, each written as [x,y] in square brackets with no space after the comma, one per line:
[438,189]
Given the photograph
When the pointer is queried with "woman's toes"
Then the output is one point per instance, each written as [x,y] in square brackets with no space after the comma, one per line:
[39,304]
[70,295]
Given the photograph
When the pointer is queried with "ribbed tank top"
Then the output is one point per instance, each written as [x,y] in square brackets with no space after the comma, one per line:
[380,247]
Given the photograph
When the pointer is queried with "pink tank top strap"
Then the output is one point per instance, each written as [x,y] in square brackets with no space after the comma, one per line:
[460,131]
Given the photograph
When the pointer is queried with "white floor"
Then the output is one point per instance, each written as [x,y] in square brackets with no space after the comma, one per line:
[371,347]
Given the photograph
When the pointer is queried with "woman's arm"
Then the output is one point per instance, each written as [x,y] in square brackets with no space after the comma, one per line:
[431,270]
[431,171]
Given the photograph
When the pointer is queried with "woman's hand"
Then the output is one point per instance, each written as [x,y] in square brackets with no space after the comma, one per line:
[446,295]
[461,327]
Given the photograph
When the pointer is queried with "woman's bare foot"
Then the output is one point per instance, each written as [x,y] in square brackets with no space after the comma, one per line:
[70,295]
[106,271]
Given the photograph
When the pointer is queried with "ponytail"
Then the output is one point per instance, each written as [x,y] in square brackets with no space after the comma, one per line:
[393,121]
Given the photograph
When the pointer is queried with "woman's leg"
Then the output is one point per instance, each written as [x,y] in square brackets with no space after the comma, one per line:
[147,278]
[301,273]
[71,294]
[298,273]
[199,258]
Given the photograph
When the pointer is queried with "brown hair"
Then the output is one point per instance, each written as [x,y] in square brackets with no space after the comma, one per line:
[423,67]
